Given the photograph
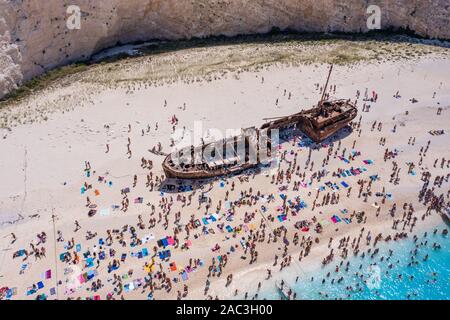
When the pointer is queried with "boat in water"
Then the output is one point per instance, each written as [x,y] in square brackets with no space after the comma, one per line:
[254,145]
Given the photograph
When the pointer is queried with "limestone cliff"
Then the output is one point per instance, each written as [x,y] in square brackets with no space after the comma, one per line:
[34,36]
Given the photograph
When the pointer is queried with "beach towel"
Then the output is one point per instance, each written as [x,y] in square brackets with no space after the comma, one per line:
[229,228]
[324,223]
[62,256]
[173,266]
[91,274]
[129,287]
[185,188]
[89,262]
[343,159]
[164,254]
[170,241]
[335,219]
[47,274]
[205,221]
[40,285]
[189,269]
[30,291]
[344,184]
[282,217]
[9,294]
[147,238]
[148,268]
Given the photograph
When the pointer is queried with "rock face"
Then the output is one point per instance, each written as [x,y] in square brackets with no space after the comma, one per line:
[34,36]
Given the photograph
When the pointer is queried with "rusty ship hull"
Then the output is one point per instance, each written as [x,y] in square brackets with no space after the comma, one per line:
[240,153]
[319,131]
[172,172]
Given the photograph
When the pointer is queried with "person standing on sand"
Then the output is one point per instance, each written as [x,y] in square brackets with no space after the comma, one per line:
[14,238]
[77,226]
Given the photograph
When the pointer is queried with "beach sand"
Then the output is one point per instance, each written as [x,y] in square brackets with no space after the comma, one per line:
[42,169]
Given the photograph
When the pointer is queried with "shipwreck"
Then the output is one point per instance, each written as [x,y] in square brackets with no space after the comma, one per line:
[254,145]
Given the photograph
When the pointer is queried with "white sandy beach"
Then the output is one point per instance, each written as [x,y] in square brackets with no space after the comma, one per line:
[42,171]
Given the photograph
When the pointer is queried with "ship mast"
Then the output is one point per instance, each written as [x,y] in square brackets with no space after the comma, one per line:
[326,86]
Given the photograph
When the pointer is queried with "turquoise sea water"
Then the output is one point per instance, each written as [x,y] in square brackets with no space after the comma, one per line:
[428,280]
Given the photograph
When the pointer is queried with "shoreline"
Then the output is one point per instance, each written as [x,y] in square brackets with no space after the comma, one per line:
[314,263]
